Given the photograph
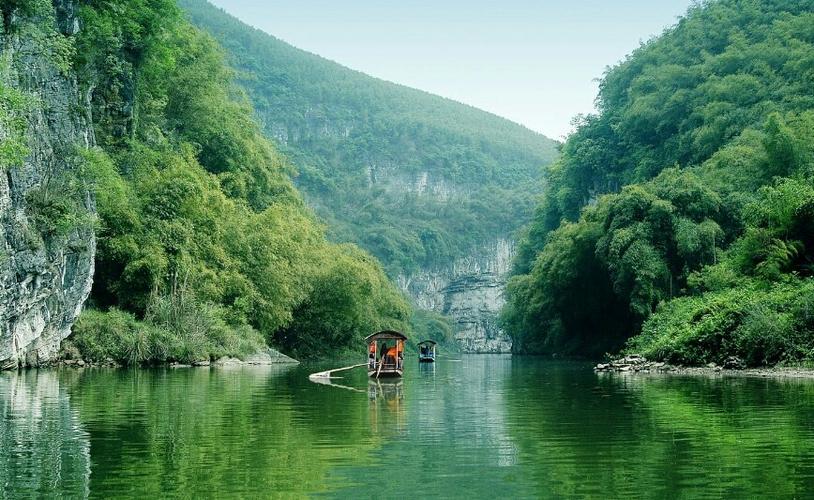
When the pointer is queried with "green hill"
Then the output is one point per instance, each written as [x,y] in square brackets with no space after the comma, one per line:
[704,246]
[203,248]
[416,179]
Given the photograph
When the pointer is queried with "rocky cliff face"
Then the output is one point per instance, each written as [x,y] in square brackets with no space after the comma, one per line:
[470,291]
[45,272]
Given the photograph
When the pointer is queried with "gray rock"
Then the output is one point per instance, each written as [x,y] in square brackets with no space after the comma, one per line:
[227,361]
[44,279]
[269,357]
[470,291]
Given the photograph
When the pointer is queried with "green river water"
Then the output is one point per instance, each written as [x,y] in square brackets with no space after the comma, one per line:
[484,426]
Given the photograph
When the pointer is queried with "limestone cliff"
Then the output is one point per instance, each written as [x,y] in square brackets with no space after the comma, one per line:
[470,291]
[46,265]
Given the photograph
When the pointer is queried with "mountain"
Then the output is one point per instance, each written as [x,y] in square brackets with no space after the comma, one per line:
[133,173]
[433,188]
[678,222]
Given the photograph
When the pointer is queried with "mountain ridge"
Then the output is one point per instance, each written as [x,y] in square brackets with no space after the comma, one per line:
[428,185]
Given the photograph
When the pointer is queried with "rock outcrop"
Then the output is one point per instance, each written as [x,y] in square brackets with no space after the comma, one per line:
[470,291]
[45,275]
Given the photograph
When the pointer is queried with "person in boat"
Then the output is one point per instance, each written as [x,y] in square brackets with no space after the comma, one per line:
[384,352]
[371,357]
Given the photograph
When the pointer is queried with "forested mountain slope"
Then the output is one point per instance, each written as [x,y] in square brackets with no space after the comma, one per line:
[119,118]
[431,187]
[705,248]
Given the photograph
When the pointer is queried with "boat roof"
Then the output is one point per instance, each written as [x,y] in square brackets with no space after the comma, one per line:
[386,334]
[427,342]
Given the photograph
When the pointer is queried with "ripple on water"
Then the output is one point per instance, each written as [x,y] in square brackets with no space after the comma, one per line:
[484,426]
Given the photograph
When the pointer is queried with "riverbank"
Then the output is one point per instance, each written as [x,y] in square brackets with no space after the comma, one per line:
[732,366]
[267,356]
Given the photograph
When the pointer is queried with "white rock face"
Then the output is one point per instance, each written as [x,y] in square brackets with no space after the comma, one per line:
[471,292]
[44,280]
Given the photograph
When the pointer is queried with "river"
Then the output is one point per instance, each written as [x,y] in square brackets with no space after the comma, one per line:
[477,427]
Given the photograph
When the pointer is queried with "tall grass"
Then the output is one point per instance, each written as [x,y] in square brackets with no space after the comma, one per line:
[175,327]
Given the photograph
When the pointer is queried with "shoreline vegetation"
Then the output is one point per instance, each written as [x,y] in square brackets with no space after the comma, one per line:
[627,366]
[204,247]
[264,357]
[678,223]
[731,366]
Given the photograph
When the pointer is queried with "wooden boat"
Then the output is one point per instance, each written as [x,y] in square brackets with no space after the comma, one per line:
[385,354]
[426,351]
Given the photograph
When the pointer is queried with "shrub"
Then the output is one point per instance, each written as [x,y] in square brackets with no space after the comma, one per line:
[762,325]
[176,328]
[114,334]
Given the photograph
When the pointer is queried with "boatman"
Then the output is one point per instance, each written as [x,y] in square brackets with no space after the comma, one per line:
[384,352]
[371,357]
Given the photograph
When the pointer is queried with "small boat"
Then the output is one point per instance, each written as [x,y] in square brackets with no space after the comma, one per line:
[426,351]
[385,354]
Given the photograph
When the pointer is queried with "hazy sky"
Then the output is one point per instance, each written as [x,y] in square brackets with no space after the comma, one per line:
[534,62]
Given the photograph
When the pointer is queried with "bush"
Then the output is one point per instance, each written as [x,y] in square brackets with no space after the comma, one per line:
[198,330]
[429,325]
[176,328]
[117,335]
[763,326]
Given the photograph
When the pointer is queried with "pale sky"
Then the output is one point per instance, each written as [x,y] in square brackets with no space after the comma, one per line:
[533,62]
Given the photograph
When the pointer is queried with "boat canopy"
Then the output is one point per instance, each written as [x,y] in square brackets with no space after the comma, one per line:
[427,342]
[385,335]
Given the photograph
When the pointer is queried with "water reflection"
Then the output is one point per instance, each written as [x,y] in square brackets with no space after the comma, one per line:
[387,408]
[426,369]
[582,434]
[44,450]
[246,431]
[386,391]
[483,426]
[443,432]
[333,383]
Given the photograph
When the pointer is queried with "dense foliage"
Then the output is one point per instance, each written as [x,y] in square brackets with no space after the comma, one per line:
[205,248]
[704,138]
[364,149]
